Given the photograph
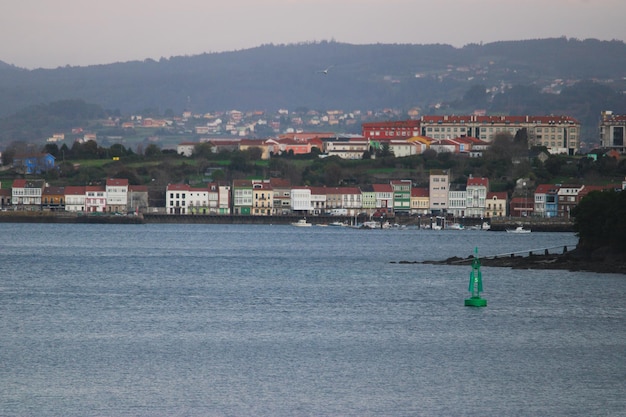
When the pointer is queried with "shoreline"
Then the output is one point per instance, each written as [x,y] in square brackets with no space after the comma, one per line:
[602,260]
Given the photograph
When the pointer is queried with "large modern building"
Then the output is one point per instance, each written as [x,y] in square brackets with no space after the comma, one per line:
[613,131]
[560,134]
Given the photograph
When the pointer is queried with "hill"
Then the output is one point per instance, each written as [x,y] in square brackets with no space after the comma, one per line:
[543,76]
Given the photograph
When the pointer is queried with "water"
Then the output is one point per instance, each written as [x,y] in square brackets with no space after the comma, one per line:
[217,320]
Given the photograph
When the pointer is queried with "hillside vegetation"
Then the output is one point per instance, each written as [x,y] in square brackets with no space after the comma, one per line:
[435,78]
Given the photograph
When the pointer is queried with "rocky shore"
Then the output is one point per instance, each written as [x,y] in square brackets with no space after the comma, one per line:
[602,260]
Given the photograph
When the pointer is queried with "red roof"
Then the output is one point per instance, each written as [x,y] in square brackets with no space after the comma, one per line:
[500,196]
[117,182]
[382,188]
[478,181]
[74,190]
[419,192]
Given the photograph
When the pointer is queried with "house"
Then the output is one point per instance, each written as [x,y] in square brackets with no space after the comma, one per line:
[137,199]
[477,189]
[262,198]
[26,194]
[546,200]
[496,204]
[53,199]
[5,198]
[384,197]
[75,198]
[219,198]
[401,195]
[186,148]
[439,184]
[318,200]
[95,199]
[346,147]
[176,198]
[281,189]
[116,195]
[301,200]
[445,145]
[34,163]
[420,201]
[242,197]
[567,199]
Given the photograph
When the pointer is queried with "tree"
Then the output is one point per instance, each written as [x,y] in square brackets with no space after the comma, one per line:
[600,220]
[203,150]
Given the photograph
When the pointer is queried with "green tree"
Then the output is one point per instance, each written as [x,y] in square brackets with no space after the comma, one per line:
[600,220]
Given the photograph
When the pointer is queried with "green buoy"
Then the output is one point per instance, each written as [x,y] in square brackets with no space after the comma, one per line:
[475,284]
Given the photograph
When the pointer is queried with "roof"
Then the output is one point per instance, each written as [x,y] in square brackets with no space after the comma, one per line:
[419,192]
[382,188]
[474,181]
[116,182]
[74,190]
[499,195]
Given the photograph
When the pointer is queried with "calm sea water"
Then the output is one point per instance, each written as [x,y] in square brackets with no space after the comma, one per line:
[216,320]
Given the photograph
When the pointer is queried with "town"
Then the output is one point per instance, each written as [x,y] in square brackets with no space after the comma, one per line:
[468,136]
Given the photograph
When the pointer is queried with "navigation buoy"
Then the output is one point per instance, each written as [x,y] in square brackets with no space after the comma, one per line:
[475,284]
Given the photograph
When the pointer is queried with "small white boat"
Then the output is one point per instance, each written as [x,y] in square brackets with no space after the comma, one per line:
[301,223]
[518,229]
[337,224]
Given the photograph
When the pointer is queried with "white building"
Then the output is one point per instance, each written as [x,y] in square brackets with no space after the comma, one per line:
[116,195]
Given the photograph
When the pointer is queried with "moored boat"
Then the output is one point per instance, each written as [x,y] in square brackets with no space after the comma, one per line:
[301,223]
[518,229]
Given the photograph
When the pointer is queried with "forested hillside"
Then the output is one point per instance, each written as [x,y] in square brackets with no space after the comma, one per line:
[578,78]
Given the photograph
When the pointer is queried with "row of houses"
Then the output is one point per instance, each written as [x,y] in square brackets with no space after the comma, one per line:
[275,197]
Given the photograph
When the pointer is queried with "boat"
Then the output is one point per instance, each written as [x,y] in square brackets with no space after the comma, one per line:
[518,229]
[455,226]
[301,223]
[337,224]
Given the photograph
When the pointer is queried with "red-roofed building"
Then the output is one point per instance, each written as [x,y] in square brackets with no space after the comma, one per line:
[496,204]
[384,197]
[75,198]
[420,201]
[545,200]
[476,196]
[391,129]
[95,199]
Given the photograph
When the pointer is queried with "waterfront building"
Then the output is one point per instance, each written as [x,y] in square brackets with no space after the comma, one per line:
[53,199]
[262,198]
[242,197]
[301,200]
[546,200]
[401,195]
[477,189]
[95,199]
[496,204]
[26,194]
[75,198]
[116,195]
[420,200]
[439,185]
[457,203]
[383,193]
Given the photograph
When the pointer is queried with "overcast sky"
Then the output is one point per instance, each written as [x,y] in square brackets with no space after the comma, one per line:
[53,33]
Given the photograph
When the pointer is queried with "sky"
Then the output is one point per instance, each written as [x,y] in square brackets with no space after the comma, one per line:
[54,33]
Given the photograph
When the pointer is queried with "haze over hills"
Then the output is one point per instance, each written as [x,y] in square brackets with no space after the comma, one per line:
[503,77]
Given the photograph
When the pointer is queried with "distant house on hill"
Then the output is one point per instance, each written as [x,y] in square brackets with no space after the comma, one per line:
[34,163]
